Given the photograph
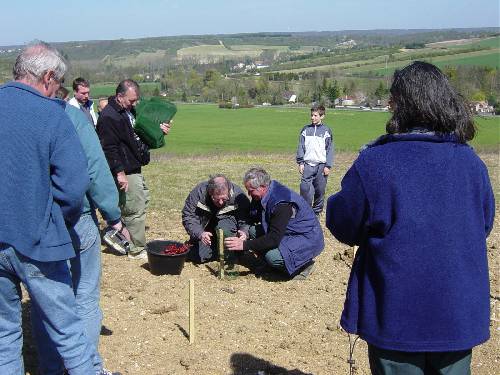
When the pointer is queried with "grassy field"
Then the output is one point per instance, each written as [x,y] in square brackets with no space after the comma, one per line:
[488,57]
[481,58]
[247,47]
[108,89]
[488,42]
[215,51]
[235,51]
[206,129]
[493,42]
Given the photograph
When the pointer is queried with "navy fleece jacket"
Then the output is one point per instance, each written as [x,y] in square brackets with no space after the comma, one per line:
[420,207]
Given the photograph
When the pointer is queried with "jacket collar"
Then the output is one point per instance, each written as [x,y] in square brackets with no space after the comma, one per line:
[266,197]
[415,135]
[117,107]
[25,87]
[114,104]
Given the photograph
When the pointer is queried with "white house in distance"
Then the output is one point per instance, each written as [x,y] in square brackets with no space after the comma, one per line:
[481,107]
[347,100]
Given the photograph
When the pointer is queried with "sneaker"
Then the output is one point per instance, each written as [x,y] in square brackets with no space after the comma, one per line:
[107,372]
[306,271]
[138,256]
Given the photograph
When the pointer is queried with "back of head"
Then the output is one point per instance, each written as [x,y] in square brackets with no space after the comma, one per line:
[422,97]
[62,93]
[103,102]
[37,59]
[256,177]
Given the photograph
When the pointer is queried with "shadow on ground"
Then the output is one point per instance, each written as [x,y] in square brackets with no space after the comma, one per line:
[247,364]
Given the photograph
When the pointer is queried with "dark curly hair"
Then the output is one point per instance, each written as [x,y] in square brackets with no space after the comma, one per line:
[422,97]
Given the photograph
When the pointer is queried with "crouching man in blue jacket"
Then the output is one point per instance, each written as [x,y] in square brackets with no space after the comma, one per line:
[288,235]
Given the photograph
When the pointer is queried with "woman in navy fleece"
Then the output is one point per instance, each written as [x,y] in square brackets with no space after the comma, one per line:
[419,204]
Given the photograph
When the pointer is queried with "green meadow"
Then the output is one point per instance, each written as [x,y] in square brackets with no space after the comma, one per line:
[108,89]
[207,130]
[491,60]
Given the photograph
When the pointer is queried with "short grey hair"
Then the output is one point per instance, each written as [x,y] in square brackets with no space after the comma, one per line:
[217,183]
[257,177]
[37,59]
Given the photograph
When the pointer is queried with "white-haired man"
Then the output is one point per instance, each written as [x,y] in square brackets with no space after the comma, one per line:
[42,185]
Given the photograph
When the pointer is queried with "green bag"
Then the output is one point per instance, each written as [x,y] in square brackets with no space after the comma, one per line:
[150,114]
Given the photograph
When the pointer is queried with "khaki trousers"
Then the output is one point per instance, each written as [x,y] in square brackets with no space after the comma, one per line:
[133,205]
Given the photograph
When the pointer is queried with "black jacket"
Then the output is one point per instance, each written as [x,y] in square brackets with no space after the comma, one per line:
[120,144]
[199,209]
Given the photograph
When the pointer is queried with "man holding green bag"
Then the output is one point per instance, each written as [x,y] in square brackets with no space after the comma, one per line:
[127,154]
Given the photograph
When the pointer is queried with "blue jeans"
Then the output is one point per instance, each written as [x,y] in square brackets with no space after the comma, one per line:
[272,257]
[50,289]
[392,362]
[313,185]
[86,277]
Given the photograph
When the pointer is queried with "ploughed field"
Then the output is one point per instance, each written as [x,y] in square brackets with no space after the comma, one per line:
[248,325]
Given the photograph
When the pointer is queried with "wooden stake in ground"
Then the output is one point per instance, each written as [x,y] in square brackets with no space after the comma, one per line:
[191,311]
[220,242]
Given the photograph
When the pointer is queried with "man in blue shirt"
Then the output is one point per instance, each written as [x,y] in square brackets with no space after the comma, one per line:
[288,235]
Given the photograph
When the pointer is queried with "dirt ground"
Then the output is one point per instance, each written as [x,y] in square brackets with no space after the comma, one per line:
[245,326]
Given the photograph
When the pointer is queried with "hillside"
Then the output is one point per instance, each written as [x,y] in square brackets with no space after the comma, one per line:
[262,68]
[285,51]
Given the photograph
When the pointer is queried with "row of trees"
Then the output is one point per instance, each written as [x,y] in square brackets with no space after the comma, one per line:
[210,83]
[473,82]
[211,86]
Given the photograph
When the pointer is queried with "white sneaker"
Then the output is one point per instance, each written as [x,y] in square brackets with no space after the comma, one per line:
[107,372]
[138,256]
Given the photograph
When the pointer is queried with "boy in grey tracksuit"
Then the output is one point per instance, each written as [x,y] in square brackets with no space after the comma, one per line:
[315,158]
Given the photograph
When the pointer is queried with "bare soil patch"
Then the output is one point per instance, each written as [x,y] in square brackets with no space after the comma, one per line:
[246,326]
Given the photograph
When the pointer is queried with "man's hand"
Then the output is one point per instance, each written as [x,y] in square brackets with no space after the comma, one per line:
[326,171]
[301,168]
[121,177]
[242,235]
[206,238]
[234,243]
[165,127]
[126,233]
[122,229]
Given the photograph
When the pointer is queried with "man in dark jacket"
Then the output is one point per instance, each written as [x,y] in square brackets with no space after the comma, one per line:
[211,205]
[126,154]
[289,235]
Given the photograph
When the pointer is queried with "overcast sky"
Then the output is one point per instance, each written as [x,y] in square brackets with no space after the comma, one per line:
[24,20]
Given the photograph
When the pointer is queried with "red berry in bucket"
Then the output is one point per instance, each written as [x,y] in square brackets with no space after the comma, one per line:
[175,249]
